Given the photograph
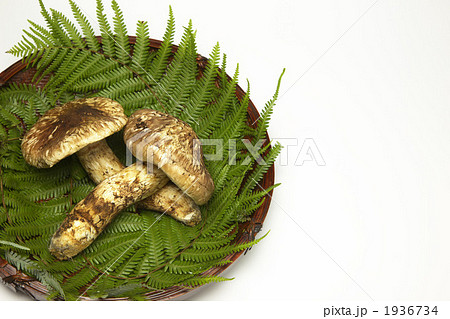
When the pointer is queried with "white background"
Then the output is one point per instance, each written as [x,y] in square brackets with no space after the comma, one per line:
[369,83]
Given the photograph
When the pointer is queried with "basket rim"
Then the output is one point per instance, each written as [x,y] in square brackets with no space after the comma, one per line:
[20,282]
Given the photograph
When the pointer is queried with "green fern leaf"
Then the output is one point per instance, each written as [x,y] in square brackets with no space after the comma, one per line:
[108,44]
[121,36]
[32,268]
[141,49]
[202,90]
[215,113]
[159,63]
[263,121]
[74,34]
[88,32]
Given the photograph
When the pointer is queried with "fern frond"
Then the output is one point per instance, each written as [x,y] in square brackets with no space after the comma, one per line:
[176,236]
[70,63]
[51,61]
[204,255]
[125,223]
[121,88]
[203,280]
[43,34]
[221,177]
[78,280]
[161,279]
[62,267]
[129,265]
[103,80]
[154,250]
[215,113]
[141,49]
[260,170]
[184,86]
[39,228]
[159,63]
[214,242]
[176,84]
[8,244]
[190,267]
[139,99]
[110,248]
[88,31]
[58,32]
[46,189]
[32,268]
[122,52]
[263,121]
[202,90]
[79,70]
[108,43]
[219,205]
[74,34]
[8,118]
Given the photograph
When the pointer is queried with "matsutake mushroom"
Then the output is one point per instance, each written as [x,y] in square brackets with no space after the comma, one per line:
[67,129]
[64,130]
[173,146]
[169,199]
[80,127]
[91,215]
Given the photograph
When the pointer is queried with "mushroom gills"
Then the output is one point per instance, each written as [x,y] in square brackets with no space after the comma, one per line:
[100,162]
[91,215]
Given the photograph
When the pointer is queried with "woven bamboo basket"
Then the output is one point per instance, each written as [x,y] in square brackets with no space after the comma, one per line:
[20,282]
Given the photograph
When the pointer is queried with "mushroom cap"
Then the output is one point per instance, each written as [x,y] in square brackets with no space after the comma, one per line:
[173,146]
[65,129]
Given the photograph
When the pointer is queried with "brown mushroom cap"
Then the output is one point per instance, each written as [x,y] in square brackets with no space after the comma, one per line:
[173,146]
[64,130]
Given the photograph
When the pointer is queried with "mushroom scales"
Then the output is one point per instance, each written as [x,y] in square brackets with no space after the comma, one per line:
[173,146]
[90,216]
[66,129]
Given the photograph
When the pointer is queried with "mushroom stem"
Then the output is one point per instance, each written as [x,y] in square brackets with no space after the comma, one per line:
[100,162]
[91,215]
[172,201]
